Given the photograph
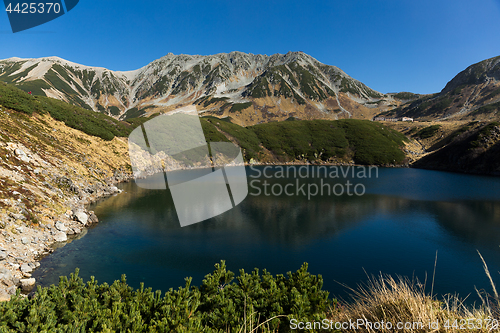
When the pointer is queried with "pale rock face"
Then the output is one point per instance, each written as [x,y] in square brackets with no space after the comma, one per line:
[60,237]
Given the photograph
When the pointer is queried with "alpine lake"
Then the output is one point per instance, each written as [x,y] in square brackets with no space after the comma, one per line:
[387,221]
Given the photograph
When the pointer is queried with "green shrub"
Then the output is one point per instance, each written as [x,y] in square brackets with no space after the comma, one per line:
[428,131]
[16,99]
[220,304]
[240,106]
[406,96]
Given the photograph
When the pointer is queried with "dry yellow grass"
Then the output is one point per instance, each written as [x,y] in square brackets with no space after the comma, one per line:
[388,304]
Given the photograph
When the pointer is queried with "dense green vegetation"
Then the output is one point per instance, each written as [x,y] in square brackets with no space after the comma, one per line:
[247,140]
[373,143]
[428,131]
[473,148]
[440,105]
[221,304]
[240,106]
[483,133]
[87,121]
[317,140]
[133,113]
[406,95]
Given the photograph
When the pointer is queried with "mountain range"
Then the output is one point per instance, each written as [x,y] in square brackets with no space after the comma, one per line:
[249,88]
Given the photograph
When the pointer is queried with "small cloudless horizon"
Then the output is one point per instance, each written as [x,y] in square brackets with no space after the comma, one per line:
[390,46]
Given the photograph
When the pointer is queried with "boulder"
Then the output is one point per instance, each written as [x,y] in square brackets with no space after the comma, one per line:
[27,284]
[22,155]
[3,255]
[60,236]
[60,226]
[16,281]
[26,268]
[18,216]
[11,290]
[4,296]
[5,274]
[93,218]
[25,240]
[81,217]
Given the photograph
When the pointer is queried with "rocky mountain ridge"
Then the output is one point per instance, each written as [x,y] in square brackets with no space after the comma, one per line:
[250,88]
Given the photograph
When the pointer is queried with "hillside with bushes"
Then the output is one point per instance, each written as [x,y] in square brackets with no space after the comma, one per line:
[312,141]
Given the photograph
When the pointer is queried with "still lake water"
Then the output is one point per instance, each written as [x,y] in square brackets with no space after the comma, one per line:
[396,227]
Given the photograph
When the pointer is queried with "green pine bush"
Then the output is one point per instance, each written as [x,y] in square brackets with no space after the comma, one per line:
[221,304]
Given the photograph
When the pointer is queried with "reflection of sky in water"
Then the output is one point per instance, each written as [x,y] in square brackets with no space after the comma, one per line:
[340,237]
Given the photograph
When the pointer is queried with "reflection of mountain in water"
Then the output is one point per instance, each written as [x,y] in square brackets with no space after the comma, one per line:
[296,221]
[475,222]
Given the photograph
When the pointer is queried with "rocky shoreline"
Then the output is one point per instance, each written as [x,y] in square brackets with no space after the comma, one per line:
[25,245]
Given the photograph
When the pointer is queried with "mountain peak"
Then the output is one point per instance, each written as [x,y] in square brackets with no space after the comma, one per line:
[481,72]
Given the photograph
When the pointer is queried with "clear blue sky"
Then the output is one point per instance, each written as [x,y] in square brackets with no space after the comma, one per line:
[392,45]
